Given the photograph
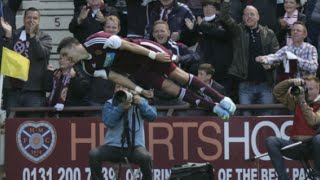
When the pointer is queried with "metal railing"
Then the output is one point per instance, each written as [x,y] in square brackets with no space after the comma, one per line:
[168,109]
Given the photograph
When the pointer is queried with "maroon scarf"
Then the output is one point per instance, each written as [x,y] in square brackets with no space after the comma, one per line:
[21,47]
[60,87]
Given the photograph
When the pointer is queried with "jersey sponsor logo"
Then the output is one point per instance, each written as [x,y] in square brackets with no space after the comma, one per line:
[36,140]
[110,56]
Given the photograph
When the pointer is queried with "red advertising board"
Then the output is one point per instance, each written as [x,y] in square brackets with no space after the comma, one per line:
[58,148]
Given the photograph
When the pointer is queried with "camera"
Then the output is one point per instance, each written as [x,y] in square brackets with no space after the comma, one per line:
[297,90]
[122,96]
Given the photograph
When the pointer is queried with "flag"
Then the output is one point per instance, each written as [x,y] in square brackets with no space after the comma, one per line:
[14,64]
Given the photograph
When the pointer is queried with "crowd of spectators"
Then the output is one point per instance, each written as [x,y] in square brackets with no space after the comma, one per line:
[225,35]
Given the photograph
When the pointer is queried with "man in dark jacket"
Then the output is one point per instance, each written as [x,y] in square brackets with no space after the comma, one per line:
[35,45]
[174,13]
[250,40]
[90,19]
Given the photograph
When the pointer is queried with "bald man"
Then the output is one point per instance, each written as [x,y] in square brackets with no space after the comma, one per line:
[251,39]
[250,17]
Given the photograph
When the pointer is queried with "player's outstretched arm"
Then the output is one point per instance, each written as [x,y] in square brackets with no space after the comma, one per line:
[137,49]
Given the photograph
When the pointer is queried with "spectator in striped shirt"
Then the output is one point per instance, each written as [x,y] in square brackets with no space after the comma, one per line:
[299,59]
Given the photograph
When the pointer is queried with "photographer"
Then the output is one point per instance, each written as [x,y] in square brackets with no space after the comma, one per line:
[123,115]
[302,97]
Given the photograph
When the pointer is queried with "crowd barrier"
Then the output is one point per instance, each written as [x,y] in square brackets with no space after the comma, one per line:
[57,148]
[169,110]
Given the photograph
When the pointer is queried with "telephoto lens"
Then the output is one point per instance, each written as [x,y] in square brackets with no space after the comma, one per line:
[122,96]
[296,90]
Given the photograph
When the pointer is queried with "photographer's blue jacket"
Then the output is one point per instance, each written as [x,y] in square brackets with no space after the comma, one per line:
[113,117]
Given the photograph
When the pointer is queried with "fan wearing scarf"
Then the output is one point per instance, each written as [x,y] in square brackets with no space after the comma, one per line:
[35,45]
[68,86]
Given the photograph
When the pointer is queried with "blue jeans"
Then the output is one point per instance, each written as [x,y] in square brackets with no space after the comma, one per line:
[304,151]
[255,93]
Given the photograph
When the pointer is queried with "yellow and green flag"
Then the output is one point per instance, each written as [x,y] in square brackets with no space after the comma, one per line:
[14,64]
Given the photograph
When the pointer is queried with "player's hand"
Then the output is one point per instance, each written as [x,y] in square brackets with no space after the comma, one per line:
[147,93]
[59,107]
[163,57]
[228,104]
[221,112]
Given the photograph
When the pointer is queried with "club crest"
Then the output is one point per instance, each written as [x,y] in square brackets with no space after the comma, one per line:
[36,140]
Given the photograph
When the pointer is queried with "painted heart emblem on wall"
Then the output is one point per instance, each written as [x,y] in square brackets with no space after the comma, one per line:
[36,140]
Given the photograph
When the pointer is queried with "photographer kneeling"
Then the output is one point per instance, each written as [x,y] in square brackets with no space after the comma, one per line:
[302,97]
[123,115]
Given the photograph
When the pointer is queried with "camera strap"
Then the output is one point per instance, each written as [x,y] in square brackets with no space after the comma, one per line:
[133,128]
[124,137]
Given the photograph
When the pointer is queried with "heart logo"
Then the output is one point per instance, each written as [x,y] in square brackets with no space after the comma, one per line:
[36,140]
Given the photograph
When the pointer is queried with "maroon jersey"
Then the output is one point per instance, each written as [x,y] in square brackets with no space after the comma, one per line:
[121,60]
